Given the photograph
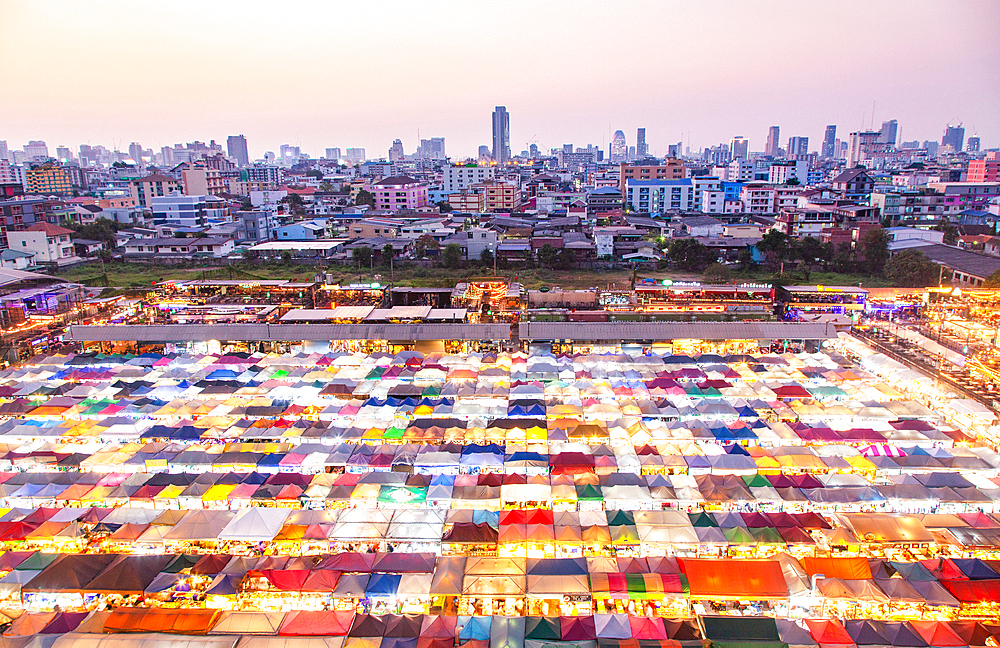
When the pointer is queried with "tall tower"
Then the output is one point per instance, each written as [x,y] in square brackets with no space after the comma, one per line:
[773,133]
[135,152]
[501,135]
[619,148]
[955,136]
[740,147]
[830,142]
[237,146]
[640,143]
[887,135]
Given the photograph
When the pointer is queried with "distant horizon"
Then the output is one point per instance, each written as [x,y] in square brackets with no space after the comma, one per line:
[322,75]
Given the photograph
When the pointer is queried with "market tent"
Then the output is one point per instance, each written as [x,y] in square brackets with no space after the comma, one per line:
[732,632]
[612,626]
[129,574]
[505,632]
[256,524]
[201,526]
[316,622]
[172,621]
[69,573]
[249,623]
[740,579]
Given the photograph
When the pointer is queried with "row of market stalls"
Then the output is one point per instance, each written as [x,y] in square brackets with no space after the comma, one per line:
[332,629]
[478,586]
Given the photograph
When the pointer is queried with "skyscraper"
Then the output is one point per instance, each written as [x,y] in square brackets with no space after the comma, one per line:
[619,148]
[773,133]
[640,143]
[830,142]
[135,152]
[887,135]
[3,149]
[396,153]
[237,145]
[953,136]
[740,147]
[432,149]
[333,154]
[972,144]
[36,148]
[501,135]
[798,146]
[864,145]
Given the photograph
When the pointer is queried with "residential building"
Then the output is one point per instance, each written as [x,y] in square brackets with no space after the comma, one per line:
[739,146]
[703,226]
[46,242]
[604,200]
[237,146]
[658,196]
[767,199]
[199,180]
[188,211]
[256,226]
[374,228]
[17,214]
[35,149]
[798,222]
[460,178]
[501,136]
[432,149]
[310,230]
[984,170]
[782,172]
[908,204]
[671,169]
[48,180]
[266,174]
[333,154]
[168,247]
[16,259]
[355,155]
[864,145]
[797,147]
[466,201]
[499,196]
[400,193]
[959,196]
[154,185]
[854,184]
[740,170]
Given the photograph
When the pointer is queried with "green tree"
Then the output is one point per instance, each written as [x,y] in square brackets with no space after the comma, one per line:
[773,241]
[565,259]
[875,246]
[689,254]
[444,206]
[101,229]
[793,181]
[810,250]
[717,274]
[294,203]
[286,257]
[451,257]
[992,281]
[910,268]
[365,198]
[424,243]
[745,258]
[547,256]
[362,256]
[388,252]
[486,258]
[844,258]
[314,173]
[326,186]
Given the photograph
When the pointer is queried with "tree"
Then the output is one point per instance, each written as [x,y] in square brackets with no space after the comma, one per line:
[286,257]
[844,258]
[566,259]
[295,203]
[689,254]
[452,256]
[424,243]
[745,258]
[875,246]
[362,256]
[388,252]
[717,274]
[101,229]
[793,181]
[444,206]
[911,268]
[314,173]
[365,198]
[547,256]
[810,249]
[992,281]
[486,258]
[773,241]
[326,186]
[950,233]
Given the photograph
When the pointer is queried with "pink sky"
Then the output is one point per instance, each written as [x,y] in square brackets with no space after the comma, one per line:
[323,74]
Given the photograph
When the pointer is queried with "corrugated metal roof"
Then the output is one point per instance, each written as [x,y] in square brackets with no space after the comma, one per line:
[287,332]
[628,331]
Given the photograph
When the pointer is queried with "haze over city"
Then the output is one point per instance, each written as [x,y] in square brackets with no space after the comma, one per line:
[317,74]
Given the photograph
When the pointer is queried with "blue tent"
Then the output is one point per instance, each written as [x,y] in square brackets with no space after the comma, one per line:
[383,585]
[474,628]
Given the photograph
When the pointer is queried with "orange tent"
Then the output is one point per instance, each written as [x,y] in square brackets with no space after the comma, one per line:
[319,622]
[838,567]
[739,579]
[829,631]
[937,633]
[187,621]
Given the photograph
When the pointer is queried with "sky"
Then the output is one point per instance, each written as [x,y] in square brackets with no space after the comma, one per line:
[321,74]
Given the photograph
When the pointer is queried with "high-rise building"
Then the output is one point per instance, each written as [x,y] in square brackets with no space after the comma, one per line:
[432,149]
[773,133]
[237,146]
[501,135]
[864,145]
[63,154]
[3,150]
[619,148]
[355,155]
[135,152]
[740,147]
[887,135]
[830,142]
[972,144]
[533,151]
[798,146]
[640,143]
[954,136]
[333,154]
[289,154]
[931,146]
[396,153]
[36,149]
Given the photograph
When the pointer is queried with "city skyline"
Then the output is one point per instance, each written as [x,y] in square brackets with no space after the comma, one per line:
[802,95]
